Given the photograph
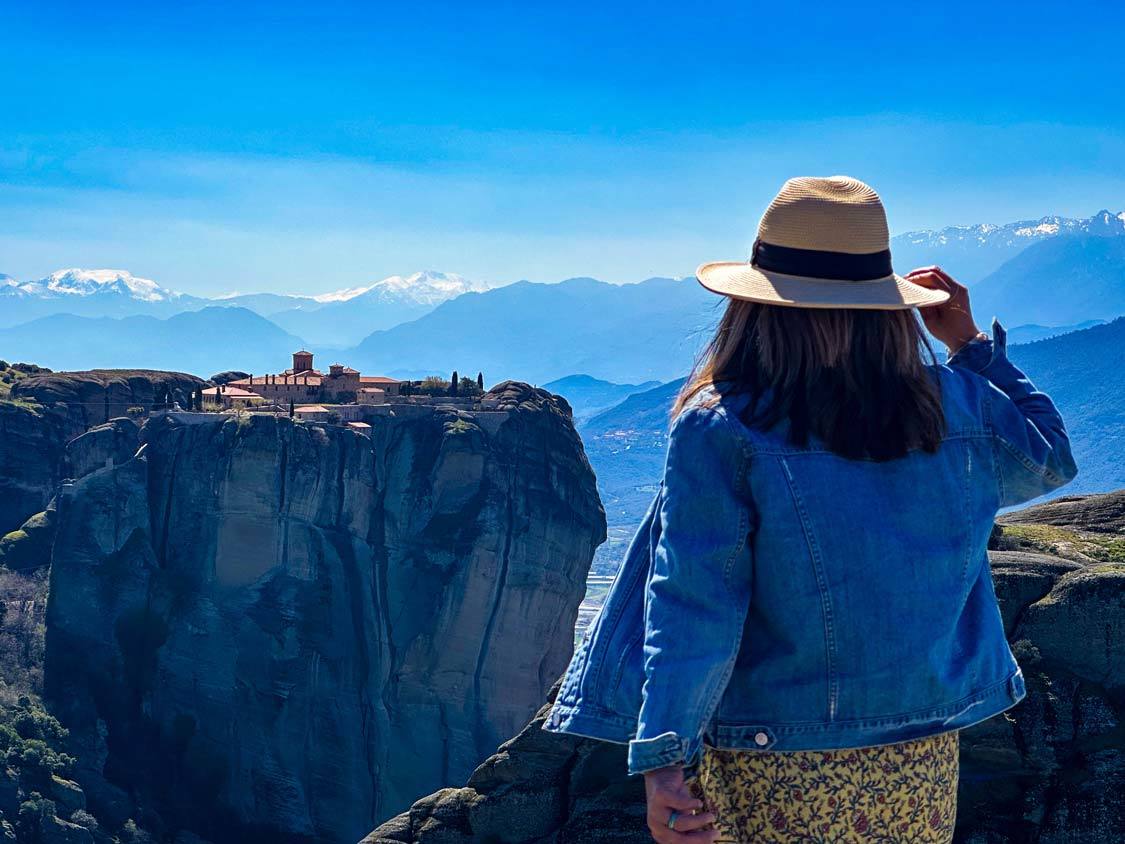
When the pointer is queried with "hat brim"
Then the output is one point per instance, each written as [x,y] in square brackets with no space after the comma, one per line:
[741,280]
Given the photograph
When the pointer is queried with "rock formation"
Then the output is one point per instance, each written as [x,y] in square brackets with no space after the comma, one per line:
[47,410]
[93,397]
[32,443]
[267,630]
[1051,770]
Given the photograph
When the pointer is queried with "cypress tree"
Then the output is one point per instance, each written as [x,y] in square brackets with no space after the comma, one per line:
[480,380]
[453,384]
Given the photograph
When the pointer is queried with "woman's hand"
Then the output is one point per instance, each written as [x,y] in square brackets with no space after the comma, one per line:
[952,321]
[668,793]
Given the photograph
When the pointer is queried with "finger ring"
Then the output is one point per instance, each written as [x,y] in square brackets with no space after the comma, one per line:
[672,818]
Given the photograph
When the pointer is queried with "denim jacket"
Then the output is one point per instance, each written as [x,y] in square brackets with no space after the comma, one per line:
[782,598]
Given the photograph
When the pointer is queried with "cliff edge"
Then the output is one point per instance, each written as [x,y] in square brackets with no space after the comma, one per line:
[268,630]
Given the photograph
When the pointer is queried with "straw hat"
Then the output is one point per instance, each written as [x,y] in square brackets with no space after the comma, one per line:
[822,243]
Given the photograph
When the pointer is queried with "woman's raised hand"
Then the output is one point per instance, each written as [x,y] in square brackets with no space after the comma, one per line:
[952,321]
[667,793]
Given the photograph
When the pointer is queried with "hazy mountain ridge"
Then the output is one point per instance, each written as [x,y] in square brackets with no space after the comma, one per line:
[542,332]
[588,395]
[1056,281]
[201,341]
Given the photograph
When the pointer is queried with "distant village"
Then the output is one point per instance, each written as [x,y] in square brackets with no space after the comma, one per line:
[341,396]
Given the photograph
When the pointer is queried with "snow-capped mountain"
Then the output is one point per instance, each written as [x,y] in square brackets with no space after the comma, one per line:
[79,282]
[977,250]
[344,317]
[423,288]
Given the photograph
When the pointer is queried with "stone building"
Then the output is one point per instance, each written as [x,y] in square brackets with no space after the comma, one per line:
[304,384]
[227,397]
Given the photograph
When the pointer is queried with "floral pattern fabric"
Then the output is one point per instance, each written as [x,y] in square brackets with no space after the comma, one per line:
[892,793]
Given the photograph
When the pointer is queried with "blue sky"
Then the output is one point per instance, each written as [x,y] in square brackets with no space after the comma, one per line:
[306,147]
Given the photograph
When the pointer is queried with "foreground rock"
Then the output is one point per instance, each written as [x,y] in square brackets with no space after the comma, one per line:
[1051,770]
[268,631]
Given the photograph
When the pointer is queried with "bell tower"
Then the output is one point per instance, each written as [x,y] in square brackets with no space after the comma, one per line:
[302,361]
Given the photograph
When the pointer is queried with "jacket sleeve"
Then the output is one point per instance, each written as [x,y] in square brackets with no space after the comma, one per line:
[1030,441]
[698,589]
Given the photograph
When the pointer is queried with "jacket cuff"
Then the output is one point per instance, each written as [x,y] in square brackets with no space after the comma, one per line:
[658,752]
[978,355]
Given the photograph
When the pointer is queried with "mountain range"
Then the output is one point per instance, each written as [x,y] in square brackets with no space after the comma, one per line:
[540,332]
[344,317]
[972,252]
[335,319]
[589,396]
[1053,274]
[1057,281]
[203,341]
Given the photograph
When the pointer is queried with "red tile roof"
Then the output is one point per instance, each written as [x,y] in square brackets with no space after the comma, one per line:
[377,379]
[233,392]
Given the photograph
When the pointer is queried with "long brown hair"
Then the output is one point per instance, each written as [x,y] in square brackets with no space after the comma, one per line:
[856,379]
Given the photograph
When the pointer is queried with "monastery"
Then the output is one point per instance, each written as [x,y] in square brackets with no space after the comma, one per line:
[304,384]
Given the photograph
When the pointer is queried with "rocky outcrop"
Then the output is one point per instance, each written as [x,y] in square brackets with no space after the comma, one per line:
[94,397]
[49,409]
[227,376]
[110,444]
[1051,770]
[32,444]
[267,630]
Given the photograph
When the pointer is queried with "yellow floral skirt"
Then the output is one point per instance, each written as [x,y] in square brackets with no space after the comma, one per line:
[903,792]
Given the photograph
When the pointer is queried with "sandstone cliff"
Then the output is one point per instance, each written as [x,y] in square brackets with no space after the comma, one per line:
[1051,770]
[275,631]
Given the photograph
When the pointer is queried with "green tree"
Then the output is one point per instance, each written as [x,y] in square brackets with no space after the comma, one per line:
[480,381]
[468,387]
[32,814]
[432,385]
[453,384]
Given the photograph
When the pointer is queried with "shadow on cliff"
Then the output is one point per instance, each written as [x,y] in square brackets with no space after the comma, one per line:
[261,629]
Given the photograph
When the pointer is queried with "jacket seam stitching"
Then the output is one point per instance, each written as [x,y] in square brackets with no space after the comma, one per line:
[822,586]
[591,670]
[743,529]
[1031,465]
[966,499]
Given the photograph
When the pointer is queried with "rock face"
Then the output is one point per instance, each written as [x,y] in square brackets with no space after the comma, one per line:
[32,443]
[93,397]
[50,409]
[110,444]
[267,630]
[1051,770]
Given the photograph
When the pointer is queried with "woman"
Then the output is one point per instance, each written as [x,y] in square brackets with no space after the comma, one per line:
[806,617]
